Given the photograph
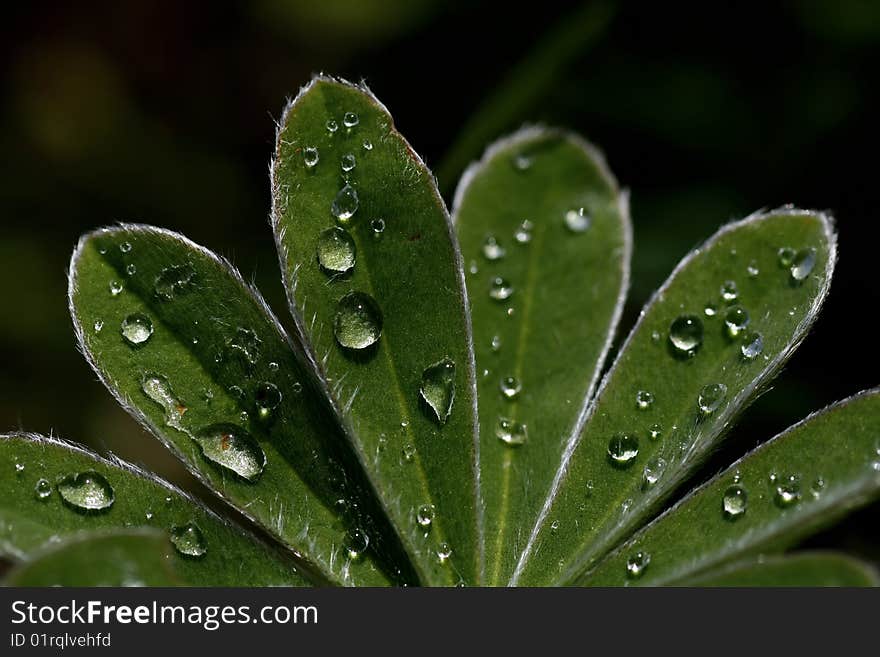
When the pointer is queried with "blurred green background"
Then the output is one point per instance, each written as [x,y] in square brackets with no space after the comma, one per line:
[163,112]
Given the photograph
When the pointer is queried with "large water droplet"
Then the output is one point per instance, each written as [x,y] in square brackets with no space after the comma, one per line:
[788,491]
[711,397]
[492,250]
[736,320]
[116,288]
[356,544]
[358,321]
[175,280]
[495,344]
[802,264]
[125,247]
[335,251]
[268,397]
[188,540]
[444,551]
[345,204]
[510,387]
[232,448]
[136,329]
[500,289]
[157,388]
[653,470]
[729,291]
[348,162]
[350,119]
[636,564]
[752,346]
[511,433]
[623,450]
[42,489]
[577,220]
[734,502]
[88,492]
[311,156]
[686,334]
[644,399]
[438,388]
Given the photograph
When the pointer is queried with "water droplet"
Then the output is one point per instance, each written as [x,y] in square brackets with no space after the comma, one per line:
[245,347]
[378,226]
[42,489]
[655,431]
[345,204]
[500,290]
[438,388]
[577,220]
[236,391]
[496,343]
[116,288]
[492,250]
[686,334]
[131,269]
[752,270]
[88,492]
[734,502]
[636,564]
[522,162]
[348,162]
[554,526]
[332,126]
[188,540]
[444,551]
[523,233]
[232,448]
[788,491]
[752,346]
[589,487]
[148,515]
[511,433]
[350,119]
[336,251]
[736,320]
[710,310]
[623,449]
[654,469]
[297,387]
[473,268]
[409,453]
[368,145]
[644,399]
[173,281]
[268,397]
[655,337]
[510,387]
[358,321]
[136,329]
[311,156]
[425,515]
[157,388]
[356,544]
[786,256]
[729,292]
[99,324]
[802,264]
[125,247]
[711,397]
[817,487]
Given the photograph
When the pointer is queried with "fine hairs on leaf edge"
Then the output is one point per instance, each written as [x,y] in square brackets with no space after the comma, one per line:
[736,404]
[314,364]
[850,499]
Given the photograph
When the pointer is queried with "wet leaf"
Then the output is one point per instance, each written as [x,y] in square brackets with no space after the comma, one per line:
[806,569]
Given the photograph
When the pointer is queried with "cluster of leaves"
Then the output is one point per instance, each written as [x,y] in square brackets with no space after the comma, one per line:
[437,416]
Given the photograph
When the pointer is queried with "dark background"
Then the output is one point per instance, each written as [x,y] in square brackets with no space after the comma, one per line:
[163,112]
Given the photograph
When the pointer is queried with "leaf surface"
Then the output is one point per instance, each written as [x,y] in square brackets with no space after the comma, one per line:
[805,569]
[545,233]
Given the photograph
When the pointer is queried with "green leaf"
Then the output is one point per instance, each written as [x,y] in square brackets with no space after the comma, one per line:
[126,557]
[376,287]
[683,378]
[546,233]
[34,514]
[526,84]
[810,475]
[194,353]
[803,569]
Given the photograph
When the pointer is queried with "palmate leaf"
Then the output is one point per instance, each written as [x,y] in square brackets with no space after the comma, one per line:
[802,480]
[805,569]
[122,557]
[690,365]
[195,354]
[54,490]
[375,283]
[546,237]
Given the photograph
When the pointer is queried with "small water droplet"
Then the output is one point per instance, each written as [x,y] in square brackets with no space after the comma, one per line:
[729,291]
[331,126]
[752,270]
[174,281]
[273,366]
[734,502]
[752,346]
[409,453]
[653,470]
[125,247]
[510,387]
[188,540]
[686,334]
[444,551]
[116,288]
[335,251]
[43,489]
[350,119]
[522,162]
[311,156]
[348,162]
[655,337]
[523,233]
[788,491]
[136,329]
[511,433]
[500,289]
[148,515]
[589,487]
[736,319]
[268,397]
[710,310]
[623,450]
[356,544]
[496,343]
[232,448]
[368,145]
[712,397]
[636,564]
[785,256]
[358,321]
[99,324]
[655,431]
[802,264]
[554,526]
[438,388]
[131,269]
[297,387]
[577,220]
[345,204]
[644,399]
[243,417]
[425,515]
[378,226]
[88,492]
[473,268]
[492,250]
[817,487]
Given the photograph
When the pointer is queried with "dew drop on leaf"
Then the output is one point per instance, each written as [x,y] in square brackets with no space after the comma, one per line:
[734,502]
[802,264]
[655,430]
[268,397]
[711,397]
[438,388]
[345,204]
[500,290]
[350,119]
[42,489]
[311,156]
[131,269]
[644,399]
[444,551]
[623,449]
[331,125]
[115,288]
[348,162]
[335,251]
[577,220]
[686,334]
[492,250]
[368,145]
[636,564]
[358,321]
[157,388]
[752,270]
[788,491]
[378,226]
[785,256]
[510,387]
[356,544]
[425,515]
[188,540]
[523,233]
[88,492]
[710,310]
[736,319]
[752,346]
[125,247]
[232,448]
[174,281]
[729,291]
[653,470]
[511,433]
[136,329]
[245,346]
